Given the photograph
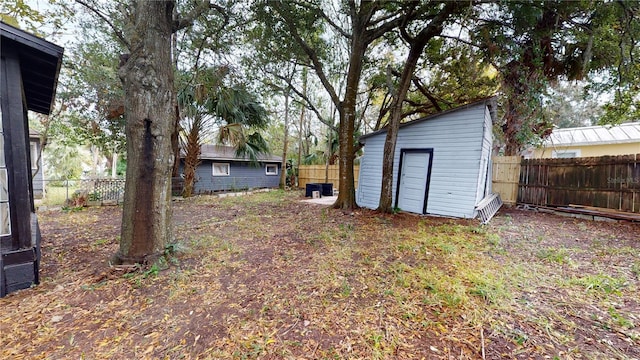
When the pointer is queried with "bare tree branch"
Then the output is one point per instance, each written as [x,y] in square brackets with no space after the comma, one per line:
[104,18]
[188,19]
[317,64]
[330,21]
[307,101]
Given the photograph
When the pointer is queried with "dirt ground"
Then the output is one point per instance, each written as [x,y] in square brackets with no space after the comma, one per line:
[266,276]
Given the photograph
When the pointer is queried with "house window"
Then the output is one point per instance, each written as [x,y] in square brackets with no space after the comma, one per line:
[565,154]
[34,155]
[220,169]
[5,218]
[271,169]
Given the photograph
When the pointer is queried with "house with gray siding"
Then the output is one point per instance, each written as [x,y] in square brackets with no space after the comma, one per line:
[442,163]
[37,170]
[221,170]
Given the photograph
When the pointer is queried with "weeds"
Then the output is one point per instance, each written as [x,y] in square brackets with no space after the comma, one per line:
[600,283]
[619,319]
[635,269]
[551,254]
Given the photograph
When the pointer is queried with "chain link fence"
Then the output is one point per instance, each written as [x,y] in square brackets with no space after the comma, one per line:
[107,191]
[78,192]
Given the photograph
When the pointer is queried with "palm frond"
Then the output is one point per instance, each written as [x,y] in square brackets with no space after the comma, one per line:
[255,146]
[231,134]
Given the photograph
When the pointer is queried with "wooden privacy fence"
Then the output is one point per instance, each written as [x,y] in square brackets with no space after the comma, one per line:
[505,177]
[611,182]
[316,174]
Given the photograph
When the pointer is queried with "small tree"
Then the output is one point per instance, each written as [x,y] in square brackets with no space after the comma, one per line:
[231,111]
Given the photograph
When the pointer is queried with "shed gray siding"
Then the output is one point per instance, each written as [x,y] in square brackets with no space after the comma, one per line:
[461,143]
[38,177]
[484,174]
[241,176]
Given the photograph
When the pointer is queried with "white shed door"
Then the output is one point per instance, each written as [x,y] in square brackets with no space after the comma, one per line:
[413,181]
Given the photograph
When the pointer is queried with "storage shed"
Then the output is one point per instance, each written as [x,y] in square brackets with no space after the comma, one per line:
[28,77]
[443,162]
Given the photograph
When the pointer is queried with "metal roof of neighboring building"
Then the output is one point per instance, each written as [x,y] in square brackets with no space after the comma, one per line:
[221,152]
[595,135]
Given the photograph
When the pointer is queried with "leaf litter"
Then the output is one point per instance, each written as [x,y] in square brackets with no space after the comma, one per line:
[265,276]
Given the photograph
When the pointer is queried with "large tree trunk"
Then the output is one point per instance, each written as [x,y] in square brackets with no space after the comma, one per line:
[300,126]
[346,190]
[386,193]
[417,46]
[283,170]
[147,77]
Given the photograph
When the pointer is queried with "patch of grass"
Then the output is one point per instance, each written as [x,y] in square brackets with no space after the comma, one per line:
[489,288]
[552,254]
[100,242]
[376,341]
[600,283]
[619,319]
[346,289]
[635,269]
[493,239]
[72,209]
[57,195]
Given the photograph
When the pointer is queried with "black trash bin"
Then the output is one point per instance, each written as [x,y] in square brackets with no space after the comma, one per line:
[327,189]
[311,187]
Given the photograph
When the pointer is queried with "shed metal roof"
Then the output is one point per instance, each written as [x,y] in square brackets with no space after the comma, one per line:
[40,64]
[221,152]
[595,135]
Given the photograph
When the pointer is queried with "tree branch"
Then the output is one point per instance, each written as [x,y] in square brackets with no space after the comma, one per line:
[104,18]
[330,21]
[307,102]
[310,106]
[317,65]
[426,93]
[188,19]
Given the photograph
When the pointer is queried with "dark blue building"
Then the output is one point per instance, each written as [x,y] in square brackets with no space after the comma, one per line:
[28,78]
[221,170]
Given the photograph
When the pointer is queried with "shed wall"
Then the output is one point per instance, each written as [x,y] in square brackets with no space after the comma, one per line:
[484,173]
[38,178]
[241,176]
[458,141]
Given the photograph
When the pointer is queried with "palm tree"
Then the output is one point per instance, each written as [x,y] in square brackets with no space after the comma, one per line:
[232,112]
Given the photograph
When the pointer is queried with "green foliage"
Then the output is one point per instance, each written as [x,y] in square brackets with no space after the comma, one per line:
[456,75]
[63,162]
[72,209]
[600,283]
[534,44]
[567,104]
[554,255]
[23,14]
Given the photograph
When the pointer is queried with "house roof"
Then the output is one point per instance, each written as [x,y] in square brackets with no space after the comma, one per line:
[595,135]
[221,152]
[40,65]
[490,102]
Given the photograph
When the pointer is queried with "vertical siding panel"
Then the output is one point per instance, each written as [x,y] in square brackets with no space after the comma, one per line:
[457,139]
